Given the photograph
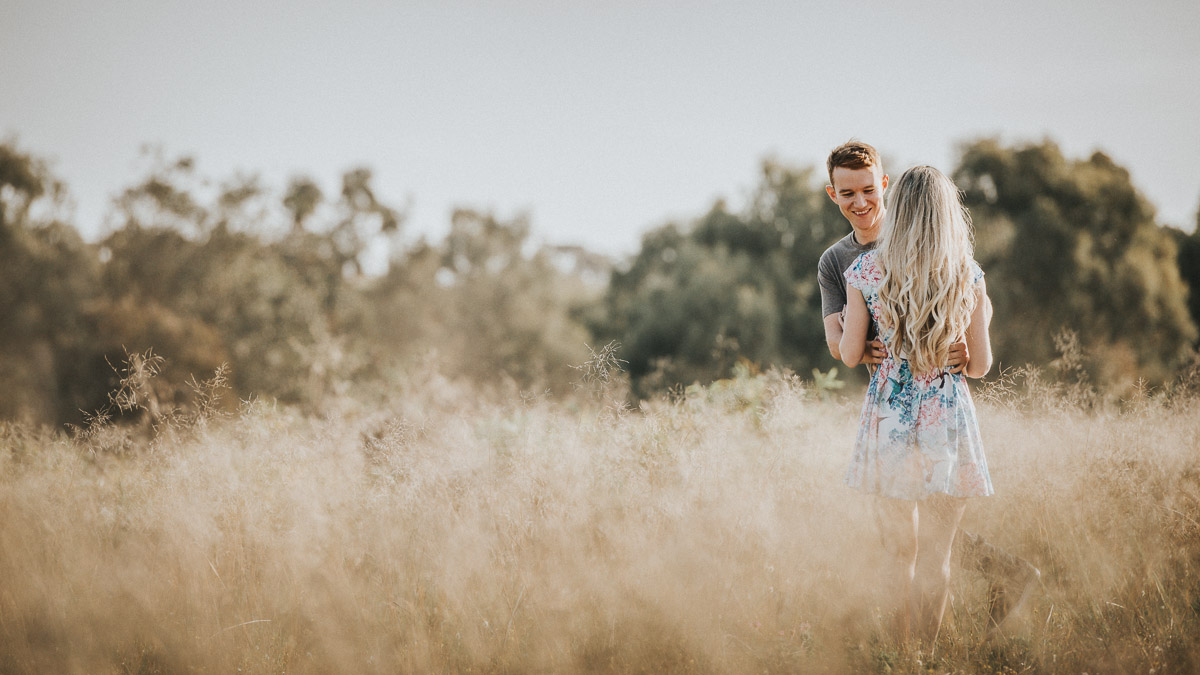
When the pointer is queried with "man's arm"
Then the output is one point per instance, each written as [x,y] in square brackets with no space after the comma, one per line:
[833,295]
[833,300]
[833,334]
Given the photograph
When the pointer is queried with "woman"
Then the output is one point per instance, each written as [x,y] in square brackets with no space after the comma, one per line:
[918,444]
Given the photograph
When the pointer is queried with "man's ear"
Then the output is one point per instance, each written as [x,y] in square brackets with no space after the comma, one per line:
[883,183]
[833,195]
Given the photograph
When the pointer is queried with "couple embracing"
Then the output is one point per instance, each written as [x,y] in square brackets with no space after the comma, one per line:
[903,294]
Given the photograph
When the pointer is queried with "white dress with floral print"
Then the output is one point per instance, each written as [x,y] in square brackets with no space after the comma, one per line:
[918,434]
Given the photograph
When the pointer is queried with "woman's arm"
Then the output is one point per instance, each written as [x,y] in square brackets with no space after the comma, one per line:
[854,332]
[979,341]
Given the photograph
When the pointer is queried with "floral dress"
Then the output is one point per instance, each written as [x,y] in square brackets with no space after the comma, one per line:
[918,434]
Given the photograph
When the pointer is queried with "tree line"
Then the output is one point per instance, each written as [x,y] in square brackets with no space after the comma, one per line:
[273,284]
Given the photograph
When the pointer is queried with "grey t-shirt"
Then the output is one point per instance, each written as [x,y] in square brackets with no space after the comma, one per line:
[834,262]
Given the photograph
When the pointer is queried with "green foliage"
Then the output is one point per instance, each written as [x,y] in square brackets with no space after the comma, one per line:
[827,383]
[244,299]
[730,285]
[1188,260]
[493,306]
[25,181]
[210,272]
[191,272]
[301,200]
[47,279]
[297,316]
[1072,244]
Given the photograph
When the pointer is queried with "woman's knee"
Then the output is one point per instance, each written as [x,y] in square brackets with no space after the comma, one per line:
[899,525]
[903,550]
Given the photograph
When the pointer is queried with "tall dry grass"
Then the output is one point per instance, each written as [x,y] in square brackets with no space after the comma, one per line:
[451,531]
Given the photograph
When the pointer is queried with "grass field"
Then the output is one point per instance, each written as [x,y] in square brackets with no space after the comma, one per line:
[448,530]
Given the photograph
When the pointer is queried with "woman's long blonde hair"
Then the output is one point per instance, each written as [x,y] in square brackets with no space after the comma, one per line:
[925,252]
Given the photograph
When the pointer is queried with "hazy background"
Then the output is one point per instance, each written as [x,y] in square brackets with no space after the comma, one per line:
[421,339]
[599,119]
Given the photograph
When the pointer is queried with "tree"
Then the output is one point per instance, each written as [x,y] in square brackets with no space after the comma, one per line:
[302,198]
[1188,259]
[508,305]
[48,277]
[1071,244]
[26,179]
[697,297]
[200,272]
[280,305]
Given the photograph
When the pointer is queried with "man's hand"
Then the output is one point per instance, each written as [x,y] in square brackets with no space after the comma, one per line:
[959,357]
[875,352]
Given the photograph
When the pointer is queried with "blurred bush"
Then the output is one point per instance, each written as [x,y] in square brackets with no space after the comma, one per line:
[274,284]
[47,278]
[1071,244]
[729,285]
[1188,261]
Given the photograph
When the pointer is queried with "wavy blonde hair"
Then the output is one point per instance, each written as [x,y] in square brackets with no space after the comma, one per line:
[925,251]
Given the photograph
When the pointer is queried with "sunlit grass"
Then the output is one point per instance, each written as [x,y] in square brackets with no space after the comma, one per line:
[448,530]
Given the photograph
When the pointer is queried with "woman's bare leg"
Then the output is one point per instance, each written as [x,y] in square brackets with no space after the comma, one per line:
[898,524]
[937,522]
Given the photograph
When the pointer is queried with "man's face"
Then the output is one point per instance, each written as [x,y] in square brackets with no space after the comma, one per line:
[859,195]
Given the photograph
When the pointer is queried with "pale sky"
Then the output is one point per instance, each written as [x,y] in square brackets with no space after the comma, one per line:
[599,119]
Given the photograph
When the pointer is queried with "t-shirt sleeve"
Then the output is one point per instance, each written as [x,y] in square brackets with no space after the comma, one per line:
[833,287]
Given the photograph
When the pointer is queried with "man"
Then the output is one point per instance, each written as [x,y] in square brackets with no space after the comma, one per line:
[856,184]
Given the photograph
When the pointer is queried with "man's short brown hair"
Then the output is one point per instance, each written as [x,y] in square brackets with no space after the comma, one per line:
[852,155]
